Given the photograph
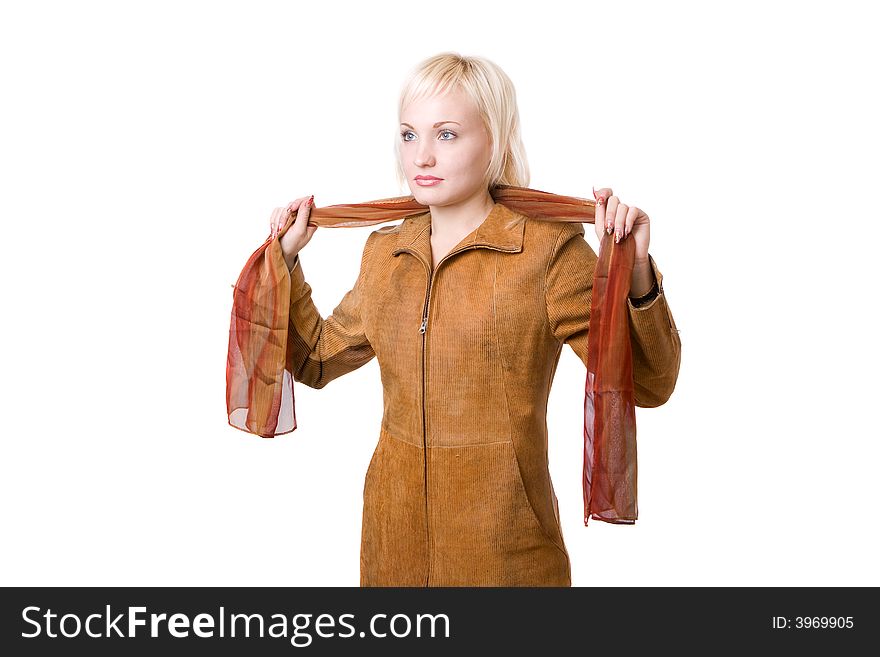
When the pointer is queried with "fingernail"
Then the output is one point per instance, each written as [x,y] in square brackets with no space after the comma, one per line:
[609,228]
[616,237]
[311,200]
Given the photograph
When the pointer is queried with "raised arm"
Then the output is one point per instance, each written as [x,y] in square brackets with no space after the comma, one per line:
[320,350]
[656,346]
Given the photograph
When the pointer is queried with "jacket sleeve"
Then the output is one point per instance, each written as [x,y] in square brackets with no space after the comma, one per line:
[656,346]
[320,350]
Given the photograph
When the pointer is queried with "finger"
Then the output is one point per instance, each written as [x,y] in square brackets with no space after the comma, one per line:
[302,216]
[610,213]
[599,221]
[281,220]
[604,222]
[289,211]
[630,220]
[602,195]
[620,220]
[293,205]
[274,220]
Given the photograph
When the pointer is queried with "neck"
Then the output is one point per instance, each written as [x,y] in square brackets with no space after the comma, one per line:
[461,217]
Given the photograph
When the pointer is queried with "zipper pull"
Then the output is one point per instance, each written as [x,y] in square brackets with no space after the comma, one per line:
[424,325]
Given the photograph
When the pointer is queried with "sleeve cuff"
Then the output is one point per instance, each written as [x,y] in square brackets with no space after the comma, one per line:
[297,278]
[647,302]
[653,328]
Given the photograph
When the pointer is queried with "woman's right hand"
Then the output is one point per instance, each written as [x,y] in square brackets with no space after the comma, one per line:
[299,233]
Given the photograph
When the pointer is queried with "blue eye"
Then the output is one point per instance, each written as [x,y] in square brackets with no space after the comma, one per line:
[409,132]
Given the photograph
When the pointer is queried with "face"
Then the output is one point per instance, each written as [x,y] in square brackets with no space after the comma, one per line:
[444,137]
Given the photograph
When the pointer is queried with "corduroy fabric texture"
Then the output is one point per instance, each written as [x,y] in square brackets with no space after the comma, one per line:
[458,491]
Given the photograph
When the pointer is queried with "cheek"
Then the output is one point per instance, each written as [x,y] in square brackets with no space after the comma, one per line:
[480,161]
[481,154]
[472,160]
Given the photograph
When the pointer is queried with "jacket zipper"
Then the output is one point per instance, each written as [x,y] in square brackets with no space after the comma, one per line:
[423,328]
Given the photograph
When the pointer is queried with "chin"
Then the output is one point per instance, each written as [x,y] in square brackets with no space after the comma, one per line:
[430,196]
[419,195]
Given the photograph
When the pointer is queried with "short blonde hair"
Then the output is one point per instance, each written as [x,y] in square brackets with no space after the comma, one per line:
[494,95]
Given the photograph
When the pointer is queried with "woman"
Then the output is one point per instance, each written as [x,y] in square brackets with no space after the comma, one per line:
[467,307]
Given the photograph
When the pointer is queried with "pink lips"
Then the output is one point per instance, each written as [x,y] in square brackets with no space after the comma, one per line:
[427,181]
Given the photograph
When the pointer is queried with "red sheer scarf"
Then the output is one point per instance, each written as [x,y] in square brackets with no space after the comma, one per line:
[259,388]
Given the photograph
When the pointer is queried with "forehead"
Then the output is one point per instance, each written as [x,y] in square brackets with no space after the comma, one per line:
[451,106]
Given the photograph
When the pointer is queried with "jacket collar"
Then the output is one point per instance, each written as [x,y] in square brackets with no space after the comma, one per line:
[494,233]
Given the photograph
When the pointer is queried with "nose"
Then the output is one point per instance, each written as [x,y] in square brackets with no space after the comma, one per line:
[424,154]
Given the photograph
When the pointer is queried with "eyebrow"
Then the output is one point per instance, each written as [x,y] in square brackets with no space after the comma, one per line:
[436,125]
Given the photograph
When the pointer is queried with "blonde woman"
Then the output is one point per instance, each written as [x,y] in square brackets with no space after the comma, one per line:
[467,307]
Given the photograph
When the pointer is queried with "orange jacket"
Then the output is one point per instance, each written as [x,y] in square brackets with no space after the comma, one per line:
[458,491]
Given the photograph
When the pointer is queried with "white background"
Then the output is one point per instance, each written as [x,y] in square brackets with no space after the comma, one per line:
[144,145]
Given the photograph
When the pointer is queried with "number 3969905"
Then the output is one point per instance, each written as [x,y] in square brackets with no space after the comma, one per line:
[813,622]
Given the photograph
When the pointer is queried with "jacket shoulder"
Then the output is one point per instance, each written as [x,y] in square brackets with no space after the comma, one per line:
[384,239]
[381,242]
[548,236]
[384,230]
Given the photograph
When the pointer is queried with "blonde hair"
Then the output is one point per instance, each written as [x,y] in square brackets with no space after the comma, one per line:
[492,92]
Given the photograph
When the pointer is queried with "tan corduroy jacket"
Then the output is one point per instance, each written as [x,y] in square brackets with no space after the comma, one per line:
[458,491]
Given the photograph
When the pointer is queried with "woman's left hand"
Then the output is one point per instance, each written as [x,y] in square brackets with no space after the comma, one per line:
[623,220]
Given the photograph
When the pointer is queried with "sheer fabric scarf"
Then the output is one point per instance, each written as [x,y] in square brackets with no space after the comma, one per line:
[259,388]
